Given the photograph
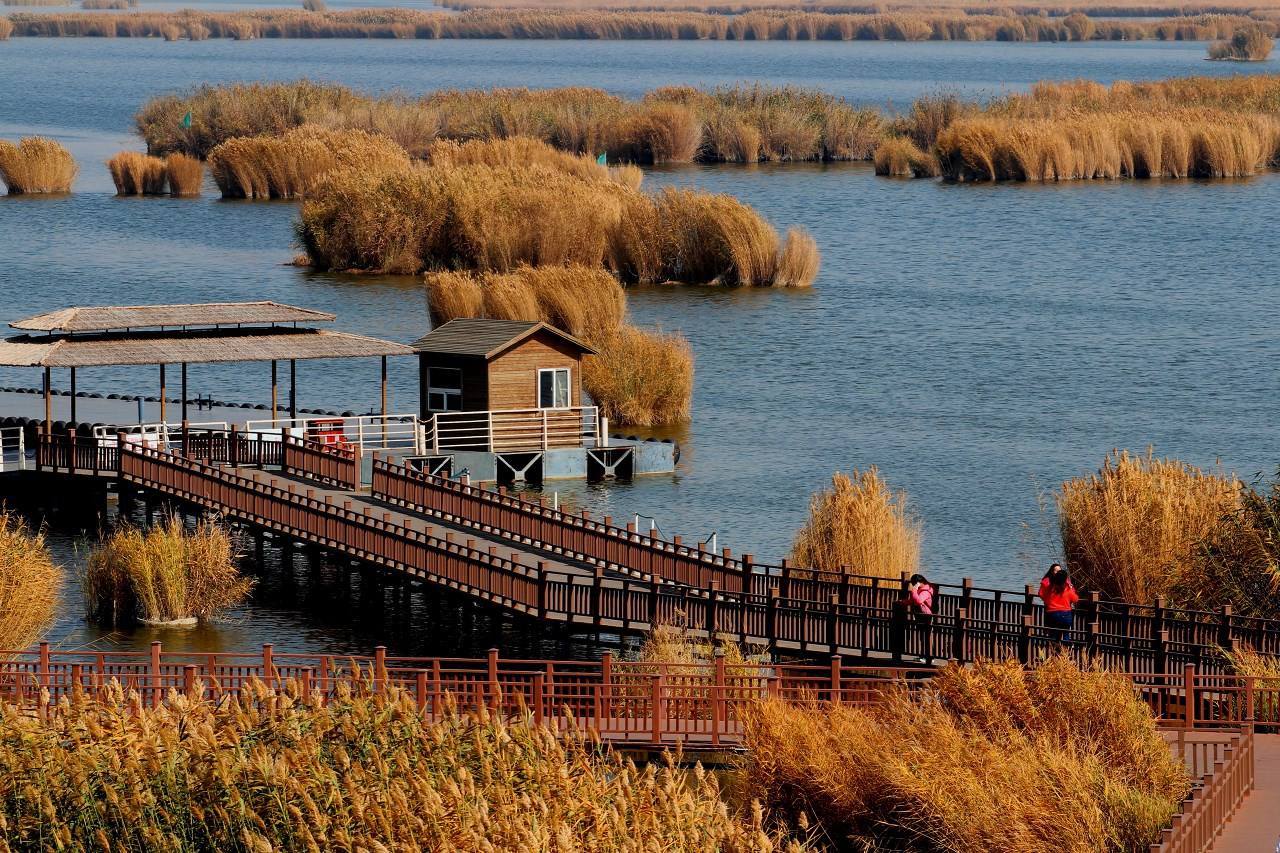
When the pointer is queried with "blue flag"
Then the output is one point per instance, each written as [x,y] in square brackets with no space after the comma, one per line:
[600,160]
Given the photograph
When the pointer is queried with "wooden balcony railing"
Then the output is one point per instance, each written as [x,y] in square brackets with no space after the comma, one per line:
[328,464]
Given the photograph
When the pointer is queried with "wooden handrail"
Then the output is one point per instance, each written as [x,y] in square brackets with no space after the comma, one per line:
[329,464]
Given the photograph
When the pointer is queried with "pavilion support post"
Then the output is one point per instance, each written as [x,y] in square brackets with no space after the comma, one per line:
[293,389]
[48,405]
[384,401]
[73,395]
[184,392]
[275,392]
[164,392]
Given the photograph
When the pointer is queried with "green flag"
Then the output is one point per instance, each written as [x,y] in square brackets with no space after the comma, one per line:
[600,161]
[186,120]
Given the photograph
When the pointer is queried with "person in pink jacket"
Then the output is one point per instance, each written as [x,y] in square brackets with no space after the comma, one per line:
[920,595]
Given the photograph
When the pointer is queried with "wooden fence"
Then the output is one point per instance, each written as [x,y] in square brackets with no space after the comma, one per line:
[1224,779]
[328,464]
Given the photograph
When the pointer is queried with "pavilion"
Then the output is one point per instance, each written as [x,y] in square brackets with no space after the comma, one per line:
[186,334]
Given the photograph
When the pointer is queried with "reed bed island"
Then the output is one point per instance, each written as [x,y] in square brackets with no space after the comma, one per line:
[1183,127]
[765,25]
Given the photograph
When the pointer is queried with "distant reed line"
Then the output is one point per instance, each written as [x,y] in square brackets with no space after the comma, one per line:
[1119,9]
[626,25]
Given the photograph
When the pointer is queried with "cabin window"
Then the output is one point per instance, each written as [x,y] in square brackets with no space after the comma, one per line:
[444,389]
[553,388]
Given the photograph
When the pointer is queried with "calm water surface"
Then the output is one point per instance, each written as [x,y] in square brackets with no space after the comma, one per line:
[979,344]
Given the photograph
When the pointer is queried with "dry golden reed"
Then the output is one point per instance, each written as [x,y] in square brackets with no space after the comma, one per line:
[478,207]
[6,28]
[994,758]
[1248,44]
[164,574]
[1239,564]
[866,23]
[861,526]
[284,167]
[36,165]
[29,584]
[185,174]
[1133,530]
[897,156]
[138,174]
[641,377]
[271,770]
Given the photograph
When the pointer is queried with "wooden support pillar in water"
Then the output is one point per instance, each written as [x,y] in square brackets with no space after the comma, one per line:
[48,405]
[184,392]
[275,392]
[293,389]
[164,392]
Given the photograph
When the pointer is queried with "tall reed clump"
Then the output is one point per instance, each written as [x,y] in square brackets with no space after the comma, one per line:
[284,167]
[897,156]
[268,770]
[1239,562]
[475,207]
[185,174]
[36,165]
[138,174]
[164,574]
[637,377]
[994,758]
[641,377]
[1247,44]
[1132,530]
[6,28]
[861,526]
[29,584]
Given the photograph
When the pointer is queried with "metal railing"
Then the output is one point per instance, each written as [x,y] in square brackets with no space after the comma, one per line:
[510,430]
[361,433]
[13,450]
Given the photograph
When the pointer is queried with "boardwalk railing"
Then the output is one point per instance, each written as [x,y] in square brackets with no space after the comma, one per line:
[13,449]
[694,705]
[328,464]
[1224,780]
[69,453]
[606,602]
[508,430]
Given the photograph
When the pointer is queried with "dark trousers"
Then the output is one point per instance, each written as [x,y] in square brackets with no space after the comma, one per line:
[1061,622]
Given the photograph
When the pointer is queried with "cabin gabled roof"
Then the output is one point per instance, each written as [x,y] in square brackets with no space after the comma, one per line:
[488,339]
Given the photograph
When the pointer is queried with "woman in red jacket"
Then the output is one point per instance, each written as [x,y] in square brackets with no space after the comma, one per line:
[1059,597]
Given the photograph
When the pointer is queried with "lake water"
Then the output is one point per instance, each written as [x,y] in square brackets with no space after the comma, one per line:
[977,343]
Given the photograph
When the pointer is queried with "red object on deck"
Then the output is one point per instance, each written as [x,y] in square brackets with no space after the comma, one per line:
[327,432]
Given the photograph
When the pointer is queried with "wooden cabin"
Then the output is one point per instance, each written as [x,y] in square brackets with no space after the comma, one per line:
[474,365]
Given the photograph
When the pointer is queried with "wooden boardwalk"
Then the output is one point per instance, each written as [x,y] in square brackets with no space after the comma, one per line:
[589,573]
[1255,827]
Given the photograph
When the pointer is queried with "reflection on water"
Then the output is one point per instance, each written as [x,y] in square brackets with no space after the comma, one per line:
[977,343]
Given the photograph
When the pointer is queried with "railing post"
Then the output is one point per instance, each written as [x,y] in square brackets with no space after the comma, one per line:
[233,451]
[542,590]
[495,689]
[1250,699]
[380,669]
[1226,638]
[597,578]
[189,680]
[657,710]
[537,698]
[186,439]
[833,623]
[420,690]
[654,583]
[44,665]
[959,639]
[748,569]
[1024,639]
[717,698]
[268,663]
[836,685]
[1158,632]
[304,684]
[1189,688]
[771,617]
[1162,651]
[155,674]
[713,604]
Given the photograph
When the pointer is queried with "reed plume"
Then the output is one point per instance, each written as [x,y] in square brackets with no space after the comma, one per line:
[36,165]
[29,584]
[185,174]
[164,574]
[1132,530]
[860,526]
[285,167]
[138,174]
